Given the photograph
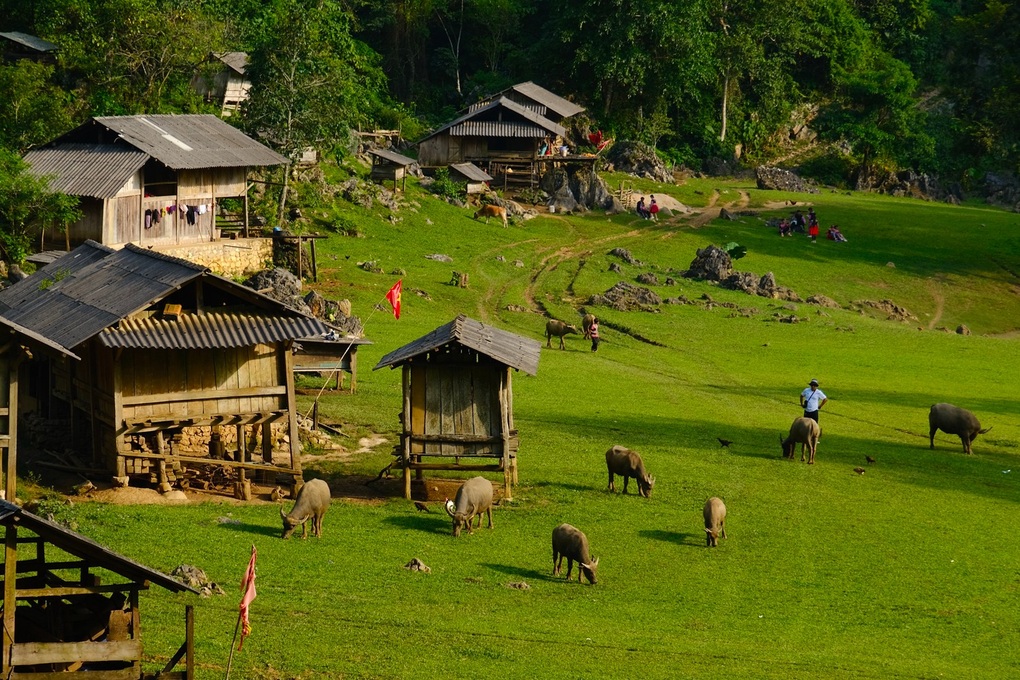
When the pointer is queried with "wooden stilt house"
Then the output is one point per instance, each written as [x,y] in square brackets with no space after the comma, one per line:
[183,374]
[153,179]
[59,617]
[458,399]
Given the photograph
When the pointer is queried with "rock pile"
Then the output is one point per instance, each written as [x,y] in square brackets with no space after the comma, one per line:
[712,263]
[575,191]
[282,286]
[778,179]
[196,578]
[893,311]
[638,159]
[626,297]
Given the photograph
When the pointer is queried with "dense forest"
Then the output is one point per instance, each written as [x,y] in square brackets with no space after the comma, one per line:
[930,85]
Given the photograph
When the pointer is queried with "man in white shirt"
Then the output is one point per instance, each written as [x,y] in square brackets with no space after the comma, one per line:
[812,400]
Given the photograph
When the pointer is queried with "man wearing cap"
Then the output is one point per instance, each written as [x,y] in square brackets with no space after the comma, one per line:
[812,399]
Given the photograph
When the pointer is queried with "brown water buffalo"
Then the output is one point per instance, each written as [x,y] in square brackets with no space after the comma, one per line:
[622,461]
[570,542]
[803,431]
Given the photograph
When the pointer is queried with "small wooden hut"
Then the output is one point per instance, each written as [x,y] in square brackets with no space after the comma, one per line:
[15,45]
[181,371]
[225,84]
[475,179]
[390,165]
[458,399]
[59,617]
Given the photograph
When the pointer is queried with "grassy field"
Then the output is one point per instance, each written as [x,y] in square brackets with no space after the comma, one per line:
[907,571]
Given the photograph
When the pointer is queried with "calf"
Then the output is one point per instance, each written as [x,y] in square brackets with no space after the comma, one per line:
[622,461]
[312,503]
[715,521]
[474,498]
[557,328]
[570,542]
[586,323]
[488,211]
[803,431]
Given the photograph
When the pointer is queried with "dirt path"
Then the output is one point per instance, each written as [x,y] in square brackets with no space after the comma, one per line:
[940,302]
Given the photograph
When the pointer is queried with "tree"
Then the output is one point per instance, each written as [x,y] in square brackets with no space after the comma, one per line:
[33,110]
[875,111]
[311,81]
[27,206]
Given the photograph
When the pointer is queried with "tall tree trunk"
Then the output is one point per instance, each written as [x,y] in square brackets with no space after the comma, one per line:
[725,101]
[283,195]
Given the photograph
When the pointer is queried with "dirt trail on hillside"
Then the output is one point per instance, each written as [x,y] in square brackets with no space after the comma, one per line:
[940,302]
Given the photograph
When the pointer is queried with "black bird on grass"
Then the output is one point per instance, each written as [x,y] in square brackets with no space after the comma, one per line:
[869,459]
[725,442]
[422,507]
[859,470]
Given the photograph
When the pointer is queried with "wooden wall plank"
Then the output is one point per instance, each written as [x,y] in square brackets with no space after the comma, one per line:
[30,653]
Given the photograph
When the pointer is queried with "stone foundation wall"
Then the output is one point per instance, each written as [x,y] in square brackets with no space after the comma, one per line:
[227,257]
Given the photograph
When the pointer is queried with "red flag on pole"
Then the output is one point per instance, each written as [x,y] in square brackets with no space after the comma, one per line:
[247,595]
[394,297]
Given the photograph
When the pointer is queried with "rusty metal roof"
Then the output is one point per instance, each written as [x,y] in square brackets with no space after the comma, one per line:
[98,171]
[392,156]
[471,171]
[93,288]
[86,549]
[522,122]
[30,41]
[211,330]
[507,348]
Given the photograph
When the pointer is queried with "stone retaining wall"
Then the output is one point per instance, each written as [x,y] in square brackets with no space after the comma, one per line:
[227,257]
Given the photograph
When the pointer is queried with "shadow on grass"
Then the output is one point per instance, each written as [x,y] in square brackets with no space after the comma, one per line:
[419,522]
[674,537]
[258,529]
[563,485]
[520,572]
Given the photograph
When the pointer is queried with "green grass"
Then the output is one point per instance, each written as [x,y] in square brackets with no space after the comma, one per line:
[909,571]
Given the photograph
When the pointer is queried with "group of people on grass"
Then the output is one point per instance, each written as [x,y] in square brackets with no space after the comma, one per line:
[649,211]
[800,224]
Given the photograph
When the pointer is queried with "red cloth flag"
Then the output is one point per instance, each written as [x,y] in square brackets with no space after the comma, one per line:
[248,594]
[394,297]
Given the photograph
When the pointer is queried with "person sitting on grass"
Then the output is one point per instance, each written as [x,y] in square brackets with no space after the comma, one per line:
[642,211]
[834,234]
[784,228]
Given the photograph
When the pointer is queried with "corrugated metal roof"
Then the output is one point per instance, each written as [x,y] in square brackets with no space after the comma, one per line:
[35,337]
[544,123]
[212,330]
[541,95]
[30,41]
[507,348]
[86,549]
[191,142]
[471,171]
[94,287]
[237,61]
[497,128]
[98,171]
[531,106]
[392,156]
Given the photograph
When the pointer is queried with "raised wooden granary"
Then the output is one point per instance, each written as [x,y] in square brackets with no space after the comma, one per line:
[458,399]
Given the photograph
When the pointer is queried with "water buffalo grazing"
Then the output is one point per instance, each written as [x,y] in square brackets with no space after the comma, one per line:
[622,461]
[488,211]
[805,432]
[715,521]
[312,503]
[570,542]
[555,328]
[954,420]
[586,323]
[474,498]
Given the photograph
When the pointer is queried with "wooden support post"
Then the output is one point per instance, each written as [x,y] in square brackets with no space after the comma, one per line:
[315,269]
[164,483]
[406,425]
[189,640]
[11,470]
[243,491]
[295,439]
[504,407]
[267,443]
[10,595]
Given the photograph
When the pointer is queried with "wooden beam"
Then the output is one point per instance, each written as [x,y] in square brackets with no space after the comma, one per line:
[31,653]
[496,467]
[24,593]
[216,462]
[452,438]
[198,395]
[122,674]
